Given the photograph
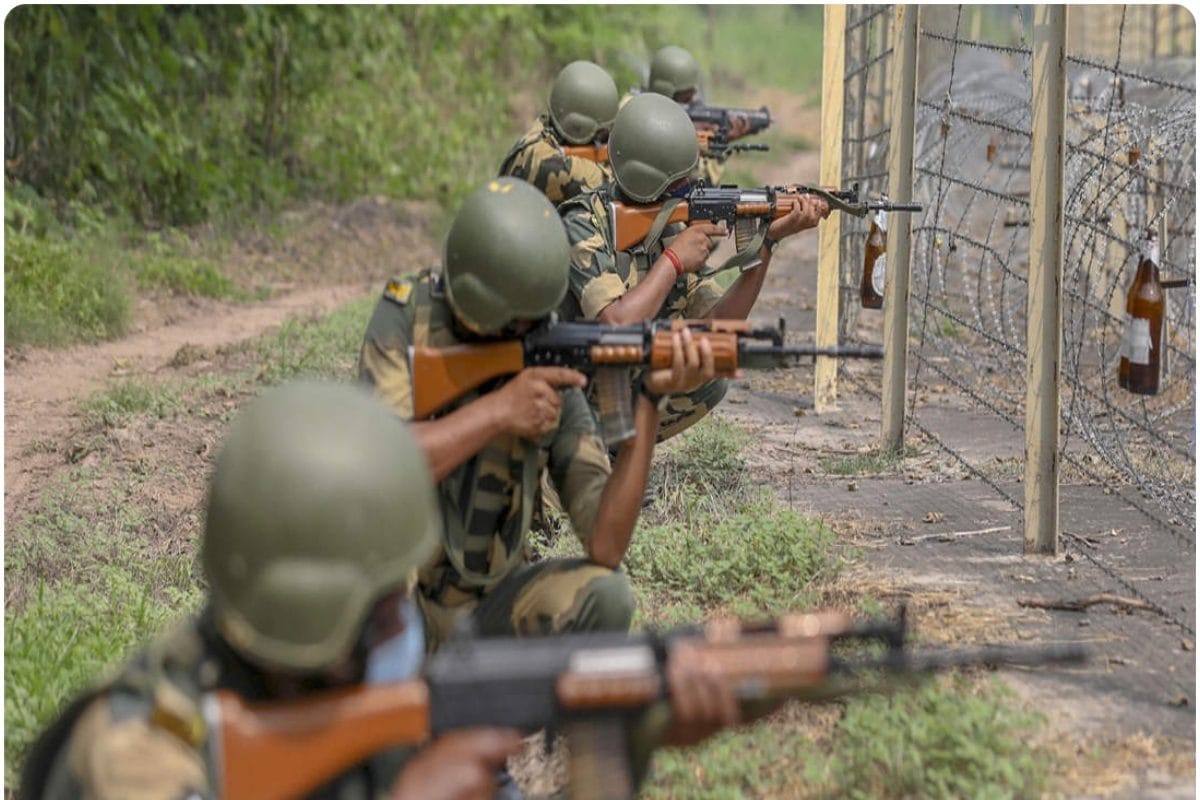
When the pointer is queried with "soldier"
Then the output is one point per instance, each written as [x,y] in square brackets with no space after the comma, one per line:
[674,73]
[653,147]
[320,509]
[583,103]
[506,267]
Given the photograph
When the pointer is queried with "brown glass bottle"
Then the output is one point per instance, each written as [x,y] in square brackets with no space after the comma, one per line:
[870,291]
[1141,345]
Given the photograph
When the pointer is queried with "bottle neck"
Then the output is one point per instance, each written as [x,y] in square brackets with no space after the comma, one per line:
[1148,266]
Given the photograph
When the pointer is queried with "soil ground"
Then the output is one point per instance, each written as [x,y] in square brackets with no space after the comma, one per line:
[918,524]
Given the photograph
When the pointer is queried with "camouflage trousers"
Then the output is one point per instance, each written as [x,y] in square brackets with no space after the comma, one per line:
[549,597]
[685,410]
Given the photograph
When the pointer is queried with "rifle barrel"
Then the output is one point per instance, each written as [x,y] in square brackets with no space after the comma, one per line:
[895,207]
[762,357]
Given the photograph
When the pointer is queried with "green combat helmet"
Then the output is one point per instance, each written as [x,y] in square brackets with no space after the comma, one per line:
[507,257]
[652,145]
[583,102]
[321,504]
[673,70]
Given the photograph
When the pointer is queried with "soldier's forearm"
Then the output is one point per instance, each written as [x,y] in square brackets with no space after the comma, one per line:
[742,294]
[622,497]
[450,441]
[643,301]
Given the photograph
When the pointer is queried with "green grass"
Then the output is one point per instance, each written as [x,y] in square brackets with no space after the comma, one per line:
[64,637]
[112,406]
[870,463]
[84,585]
[56,293]
[949,738]
[942,740]
[322,348]
[756,559]
[163,262]
[702,467]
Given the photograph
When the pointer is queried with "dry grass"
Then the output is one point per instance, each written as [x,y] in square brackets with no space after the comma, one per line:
[1104,767]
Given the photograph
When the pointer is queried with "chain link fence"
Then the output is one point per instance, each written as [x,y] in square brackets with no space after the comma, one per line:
[1130,155]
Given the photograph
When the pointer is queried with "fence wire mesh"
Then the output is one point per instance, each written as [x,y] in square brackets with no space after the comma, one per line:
[1130,155]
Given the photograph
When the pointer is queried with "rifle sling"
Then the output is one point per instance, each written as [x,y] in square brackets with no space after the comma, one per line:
[660,222]
[744,260]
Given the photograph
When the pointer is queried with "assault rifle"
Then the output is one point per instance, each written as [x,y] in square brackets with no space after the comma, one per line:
[745,211]
[716,145]
[442,375]
[710,143]
[590,686]
[722,118]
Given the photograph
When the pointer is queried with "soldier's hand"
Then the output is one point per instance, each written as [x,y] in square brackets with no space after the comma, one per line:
[693,244]
[701,703]
[460,765]
[739,126]
[692,365]
[530,403]
[806,213]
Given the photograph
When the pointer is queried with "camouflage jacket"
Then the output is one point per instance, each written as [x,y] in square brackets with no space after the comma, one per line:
[488,501]
[144,734]
[601,274]
[538,157]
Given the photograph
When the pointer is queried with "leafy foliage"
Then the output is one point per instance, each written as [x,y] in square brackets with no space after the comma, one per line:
[174,114]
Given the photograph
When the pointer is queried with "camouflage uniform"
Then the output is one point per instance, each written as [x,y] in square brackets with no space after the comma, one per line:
[601,274]
[143,734]
[487,503]
[539,158]
[708,169]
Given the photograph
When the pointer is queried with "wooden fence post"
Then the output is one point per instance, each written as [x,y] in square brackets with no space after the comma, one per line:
[1044,309]
[833,80]
[899,242]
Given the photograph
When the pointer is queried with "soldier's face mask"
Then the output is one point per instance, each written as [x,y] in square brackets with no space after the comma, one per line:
[401,655]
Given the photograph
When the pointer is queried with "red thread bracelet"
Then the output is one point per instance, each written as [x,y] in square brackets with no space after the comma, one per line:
[674,259]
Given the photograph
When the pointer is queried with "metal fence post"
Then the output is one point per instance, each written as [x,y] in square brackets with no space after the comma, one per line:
[899,243]
[833,80]
[1044,315]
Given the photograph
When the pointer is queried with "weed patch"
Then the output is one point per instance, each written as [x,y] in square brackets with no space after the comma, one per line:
[162,264]
[946,739]
[323,348]
[56,293]
[64,637]
[758,559]
[112,406]
[702,468]
[871,463]
[952,737]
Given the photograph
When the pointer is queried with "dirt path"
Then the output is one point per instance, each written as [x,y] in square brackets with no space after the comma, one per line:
[42,387]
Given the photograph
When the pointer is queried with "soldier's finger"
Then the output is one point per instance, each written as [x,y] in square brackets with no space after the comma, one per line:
[677,358]
[690,352]
[708,366]
[559,376]
[492,746]
[709,228]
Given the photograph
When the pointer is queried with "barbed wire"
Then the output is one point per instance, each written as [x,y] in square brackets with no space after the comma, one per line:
[1130,151]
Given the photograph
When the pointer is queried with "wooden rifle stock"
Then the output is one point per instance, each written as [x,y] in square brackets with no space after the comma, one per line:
[592,152]
[293,749]
[442,375]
